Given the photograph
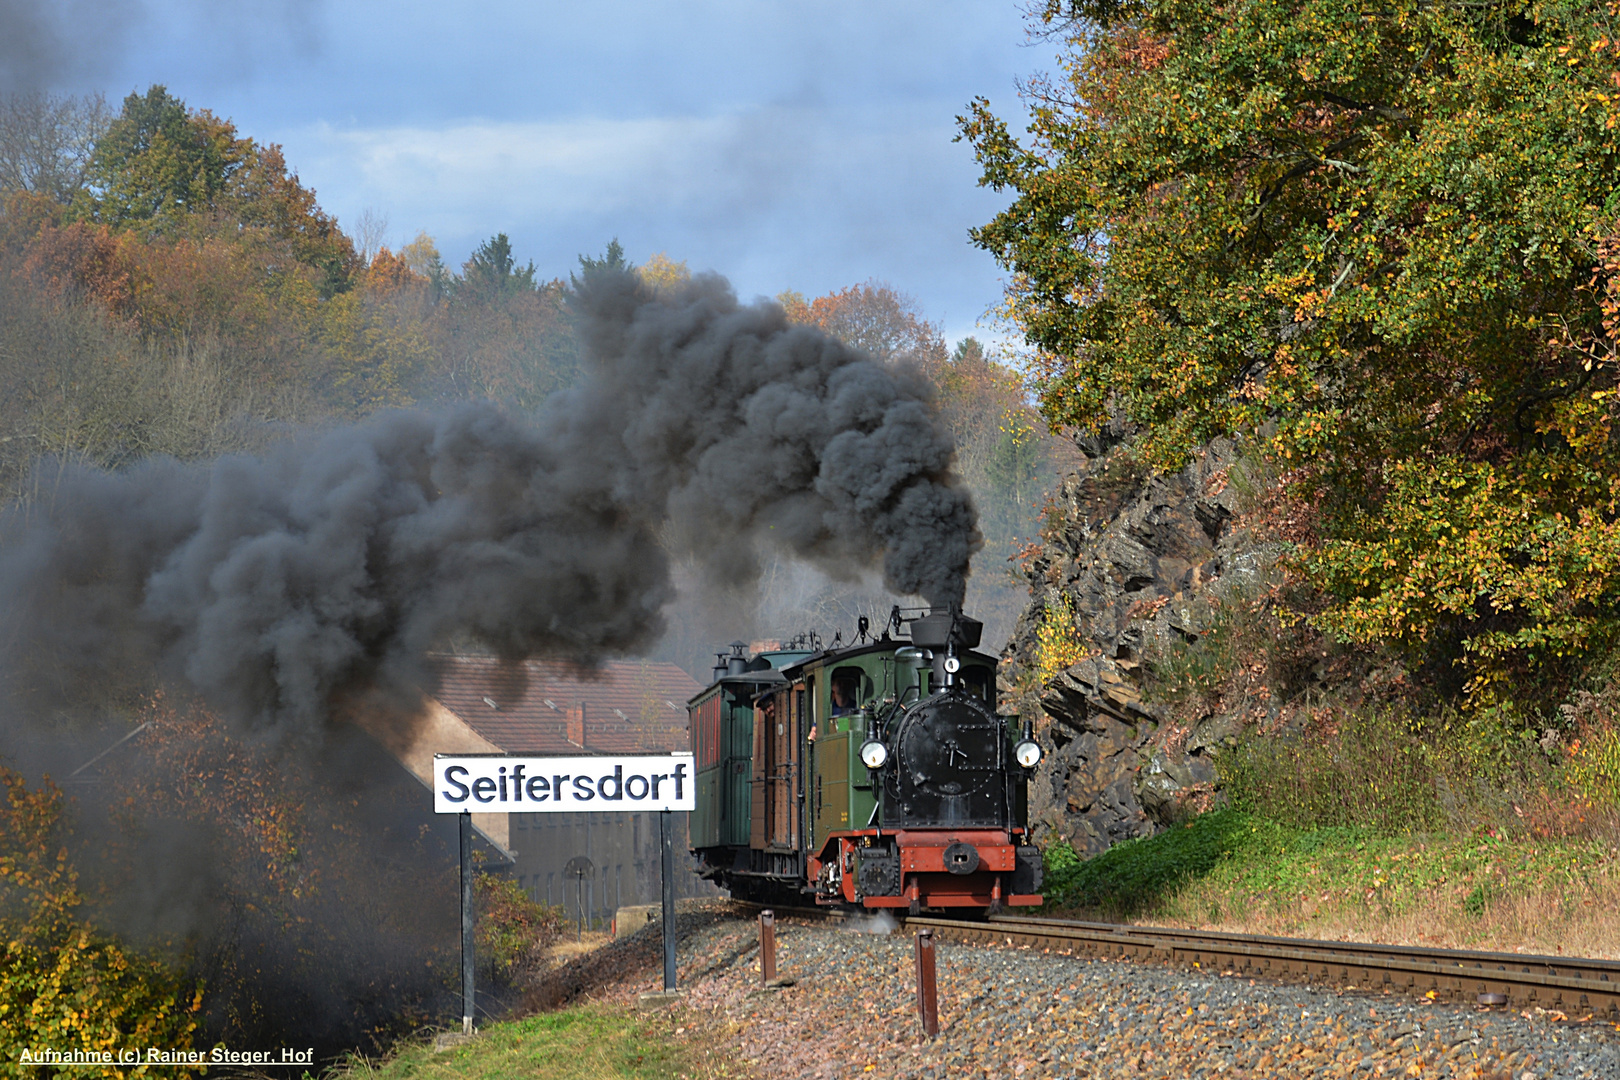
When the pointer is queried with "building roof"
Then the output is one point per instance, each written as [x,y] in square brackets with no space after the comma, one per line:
[552,707]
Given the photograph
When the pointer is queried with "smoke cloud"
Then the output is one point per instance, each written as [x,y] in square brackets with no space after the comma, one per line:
[276,585]
[52,44]
[746,431]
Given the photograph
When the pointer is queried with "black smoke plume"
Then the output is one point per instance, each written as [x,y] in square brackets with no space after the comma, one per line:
[275,585]
[283,589]
[743,430]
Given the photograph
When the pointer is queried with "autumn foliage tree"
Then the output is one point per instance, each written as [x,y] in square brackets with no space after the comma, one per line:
[170,286]
[1377,240]
[304,888]
[66,985]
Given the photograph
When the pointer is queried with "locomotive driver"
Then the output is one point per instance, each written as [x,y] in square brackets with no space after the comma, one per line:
[843,697]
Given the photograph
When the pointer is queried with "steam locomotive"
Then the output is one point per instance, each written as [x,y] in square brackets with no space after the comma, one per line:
[872,775]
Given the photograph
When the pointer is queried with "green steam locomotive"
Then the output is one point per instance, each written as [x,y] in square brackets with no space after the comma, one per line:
[875,775]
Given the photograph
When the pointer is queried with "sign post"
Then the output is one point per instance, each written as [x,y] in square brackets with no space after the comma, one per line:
[468,999]
[579,868]
[465,784]
[666,835]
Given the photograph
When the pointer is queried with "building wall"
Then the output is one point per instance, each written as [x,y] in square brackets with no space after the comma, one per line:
[623,847]
[440,731]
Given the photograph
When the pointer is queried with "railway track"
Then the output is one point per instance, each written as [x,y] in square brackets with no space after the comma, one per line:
[1573,985]
[1569,984]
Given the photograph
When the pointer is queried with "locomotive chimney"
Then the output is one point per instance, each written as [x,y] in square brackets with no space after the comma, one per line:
[720,666]
[945,627]
[737,662]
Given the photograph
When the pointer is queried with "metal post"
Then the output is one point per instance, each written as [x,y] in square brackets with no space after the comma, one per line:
[767,947]
[467,995]
[666,831]
[927,990]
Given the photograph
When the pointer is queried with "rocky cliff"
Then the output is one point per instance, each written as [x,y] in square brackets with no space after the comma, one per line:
[1132,563]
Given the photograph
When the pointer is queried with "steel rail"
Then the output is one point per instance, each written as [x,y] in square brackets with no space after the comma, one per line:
[1569,984]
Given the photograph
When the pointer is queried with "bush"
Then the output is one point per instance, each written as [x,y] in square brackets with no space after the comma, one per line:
[1375,771]
[513,930]
[1594,768]
[64,986]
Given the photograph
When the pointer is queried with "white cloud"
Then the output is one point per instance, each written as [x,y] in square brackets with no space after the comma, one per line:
[774,197]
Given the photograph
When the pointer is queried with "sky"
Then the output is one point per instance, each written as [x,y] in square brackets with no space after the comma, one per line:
[803,146]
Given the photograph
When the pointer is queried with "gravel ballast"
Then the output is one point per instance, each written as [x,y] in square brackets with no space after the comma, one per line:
[1016,1012]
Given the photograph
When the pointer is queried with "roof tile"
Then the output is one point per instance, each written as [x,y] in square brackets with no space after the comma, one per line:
[553,707]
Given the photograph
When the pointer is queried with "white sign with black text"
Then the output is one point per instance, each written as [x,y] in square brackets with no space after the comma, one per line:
[502,783]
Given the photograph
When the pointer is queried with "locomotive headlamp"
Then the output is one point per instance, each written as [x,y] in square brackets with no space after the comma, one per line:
[1028,753]
[874,754]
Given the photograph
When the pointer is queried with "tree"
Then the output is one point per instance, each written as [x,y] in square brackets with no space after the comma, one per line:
[370,231]
[158,160]
[662,272]
[872,316]
[1368,238]
[501,334]
[65,985]
[165,170]
[46,142]
[266,197]
[491,274]
[422,257]
[612,259]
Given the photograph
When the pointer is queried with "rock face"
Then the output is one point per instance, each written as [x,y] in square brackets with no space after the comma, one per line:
[1136,559]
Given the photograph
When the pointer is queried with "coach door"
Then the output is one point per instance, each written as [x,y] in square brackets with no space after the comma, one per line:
[777,721]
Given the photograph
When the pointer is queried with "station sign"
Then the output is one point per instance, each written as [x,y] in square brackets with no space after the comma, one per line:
[506,783]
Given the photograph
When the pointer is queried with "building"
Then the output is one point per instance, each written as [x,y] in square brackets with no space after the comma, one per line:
[555,709]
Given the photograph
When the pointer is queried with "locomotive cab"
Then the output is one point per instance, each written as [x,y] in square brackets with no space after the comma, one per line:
[879,775]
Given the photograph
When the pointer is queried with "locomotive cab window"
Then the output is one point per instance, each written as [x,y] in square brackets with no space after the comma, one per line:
[849,689]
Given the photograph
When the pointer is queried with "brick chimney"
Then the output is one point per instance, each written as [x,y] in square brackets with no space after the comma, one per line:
[576,724]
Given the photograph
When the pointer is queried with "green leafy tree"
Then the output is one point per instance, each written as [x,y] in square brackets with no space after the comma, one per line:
[166,170]
[1372,233]
[158,160]
[612,259]
[492,274]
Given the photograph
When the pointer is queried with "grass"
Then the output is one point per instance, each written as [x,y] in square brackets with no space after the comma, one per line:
[590,1042]
[1238,871]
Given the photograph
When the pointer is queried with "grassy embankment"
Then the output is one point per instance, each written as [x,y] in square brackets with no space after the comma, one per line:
[596,1041]
[1240,871]
[1370,804]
